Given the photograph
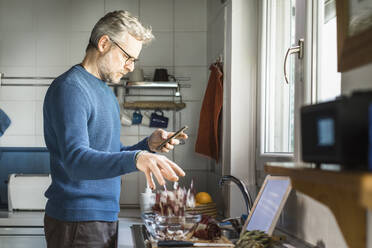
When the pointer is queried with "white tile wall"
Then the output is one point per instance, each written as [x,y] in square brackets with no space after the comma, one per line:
[18,48]
[214,8]
[129,5]
[85,13]
[22,115]
[190,15]
[186,157]
[52,15]
[20,93]
[18,70]
[190,116]
[160,52]
[40,92]
[78,43]
[158,14]
[190,48]
[47,37]
[51,49]
[39,118]
[17,15]
[198,82]
[216,37]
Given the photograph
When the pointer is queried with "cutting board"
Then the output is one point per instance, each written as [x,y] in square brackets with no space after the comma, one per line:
[223,239]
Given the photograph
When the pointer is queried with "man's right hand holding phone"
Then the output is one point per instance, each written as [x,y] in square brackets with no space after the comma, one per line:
[163,141]
[159,165]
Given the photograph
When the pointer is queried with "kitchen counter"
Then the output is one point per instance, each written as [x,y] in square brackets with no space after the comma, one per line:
[127,218]
[22,218]
[29,224]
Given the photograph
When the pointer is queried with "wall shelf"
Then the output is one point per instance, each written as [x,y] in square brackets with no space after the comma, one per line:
[348,194]
[173,86]
[150,84]
[164,105]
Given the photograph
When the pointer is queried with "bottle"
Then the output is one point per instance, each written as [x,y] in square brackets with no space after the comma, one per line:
[147,200]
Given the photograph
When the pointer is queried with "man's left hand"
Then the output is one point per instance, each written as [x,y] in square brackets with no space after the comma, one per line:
[159,136]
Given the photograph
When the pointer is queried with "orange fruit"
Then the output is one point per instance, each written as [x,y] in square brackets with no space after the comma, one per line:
[203,198]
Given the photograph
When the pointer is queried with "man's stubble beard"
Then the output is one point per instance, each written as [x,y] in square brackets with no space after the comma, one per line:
[104,69]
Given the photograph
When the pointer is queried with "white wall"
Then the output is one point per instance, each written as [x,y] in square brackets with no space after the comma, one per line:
[232,31]
[216,48]
[47,37]
[307,218]
[357,79]
[242,103]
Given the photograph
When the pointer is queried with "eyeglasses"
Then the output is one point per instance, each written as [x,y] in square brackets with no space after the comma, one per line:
[129,59]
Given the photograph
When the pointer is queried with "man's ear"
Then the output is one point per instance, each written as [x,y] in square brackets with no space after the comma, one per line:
[104,44]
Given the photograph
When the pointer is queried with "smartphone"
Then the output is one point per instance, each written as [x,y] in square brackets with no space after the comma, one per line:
[171,137]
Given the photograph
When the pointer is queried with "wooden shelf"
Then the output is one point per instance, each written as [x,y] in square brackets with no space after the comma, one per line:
[163,105]
[347,193]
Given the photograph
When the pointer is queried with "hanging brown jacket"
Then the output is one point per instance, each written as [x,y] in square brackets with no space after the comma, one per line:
[207,142]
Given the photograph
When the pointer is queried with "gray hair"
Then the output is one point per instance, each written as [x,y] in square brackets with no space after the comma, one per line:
[115,23]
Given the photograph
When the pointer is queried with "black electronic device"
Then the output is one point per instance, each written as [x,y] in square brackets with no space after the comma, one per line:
[175,135]
[337,131]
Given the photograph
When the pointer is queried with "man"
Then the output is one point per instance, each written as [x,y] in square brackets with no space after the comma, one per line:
[82,133]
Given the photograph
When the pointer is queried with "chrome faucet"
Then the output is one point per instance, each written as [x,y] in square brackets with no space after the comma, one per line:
[241,186]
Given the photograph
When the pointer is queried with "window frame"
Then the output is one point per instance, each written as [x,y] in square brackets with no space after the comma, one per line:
[307,90]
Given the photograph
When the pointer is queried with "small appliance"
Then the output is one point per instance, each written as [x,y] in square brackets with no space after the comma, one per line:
[26,191]
[337,131]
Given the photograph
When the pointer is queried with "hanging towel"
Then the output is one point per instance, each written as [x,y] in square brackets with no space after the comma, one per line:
[207,142]
[4,122]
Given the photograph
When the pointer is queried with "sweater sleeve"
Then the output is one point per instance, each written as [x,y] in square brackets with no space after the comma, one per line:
[142,145]
[67,109]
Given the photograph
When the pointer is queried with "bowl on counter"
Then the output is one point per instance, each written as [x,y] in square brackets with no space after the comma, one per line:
[169,227]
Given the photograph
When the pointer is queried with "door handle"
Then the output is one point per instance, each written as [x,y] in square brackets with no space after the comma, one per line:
[292,50]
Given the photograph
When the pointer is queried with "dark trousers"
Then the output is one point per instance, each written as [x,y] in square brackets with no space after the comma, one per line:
[89,234]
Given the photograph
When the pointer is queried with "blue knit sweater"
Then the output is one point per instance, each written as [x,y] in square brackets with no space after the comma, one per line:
[82,133]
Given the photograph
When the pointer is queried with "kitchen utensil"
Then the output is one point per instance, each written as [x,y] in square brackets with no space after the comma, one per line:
[125,119]
[26,191]
[136,117]
[137,75]
[161,75]
[157,119]
[170,227]
[146,119]
[147,200]
[173,243]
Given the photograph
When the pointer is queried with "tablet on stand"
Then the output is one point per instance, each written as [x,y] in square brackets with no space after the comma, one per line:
[268,205]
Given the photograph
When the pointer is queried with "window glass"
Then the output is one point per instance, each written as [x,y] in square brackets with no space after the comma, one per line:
[278,95]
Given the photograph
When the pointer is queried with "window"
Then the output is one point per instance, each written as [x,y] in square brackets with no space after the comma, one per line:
[314,77]
[279,96]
